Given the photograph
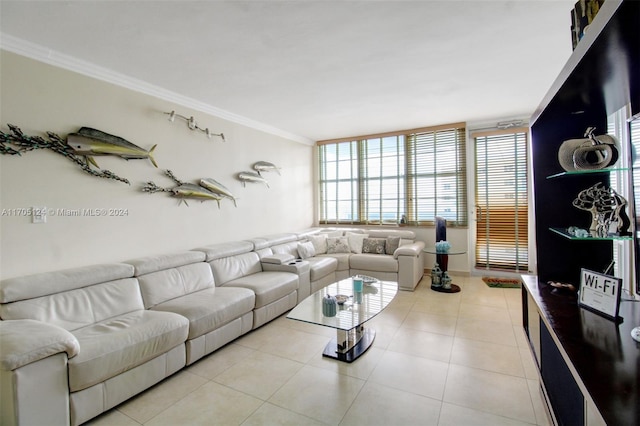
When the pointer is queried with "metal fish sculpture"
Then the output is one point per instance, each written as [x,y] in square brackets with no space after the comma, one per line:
[194,192]
[218,188]
[90,142]
[265,166]
[183,190]
[251,177]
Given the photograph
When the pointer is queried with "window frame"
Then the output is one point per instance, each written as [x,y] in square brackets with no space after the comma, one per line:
[406,201]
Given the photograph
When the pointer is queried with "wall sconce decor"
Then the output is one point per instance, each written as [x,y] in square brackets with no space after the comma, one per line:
[191,122]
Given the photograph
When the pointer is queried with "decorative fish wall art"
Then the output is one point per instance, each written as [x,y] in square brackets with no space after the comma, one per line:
[208,189]
[265,166]
[15,143]
[91,142]
[218,188]
[251,177]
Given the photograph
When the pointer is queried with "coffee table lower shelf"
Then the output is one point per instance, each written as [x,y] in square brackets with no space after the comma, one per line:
[348,345]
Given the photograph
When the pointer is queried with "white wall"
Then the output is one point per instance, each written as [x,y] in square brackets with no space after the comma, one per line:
[38,98]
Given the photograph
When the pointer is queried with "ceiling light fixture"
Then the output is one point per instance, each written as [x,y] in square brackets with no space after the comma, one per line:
[191,123]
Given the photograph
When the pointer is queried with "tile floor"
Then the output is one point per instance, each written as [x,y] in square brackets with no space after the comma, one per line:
[438,359]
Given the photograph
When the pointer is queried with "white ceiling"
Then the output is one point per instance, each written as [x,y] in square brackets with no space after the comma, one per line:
[318,69]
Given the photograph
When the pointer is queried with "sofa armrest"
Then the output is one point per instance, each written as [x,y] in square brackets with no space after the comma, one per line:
[26,341]
[413,249]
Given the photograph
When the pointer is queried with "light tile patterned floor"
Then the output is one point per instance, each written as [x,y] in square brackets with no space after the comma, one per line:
[438,359]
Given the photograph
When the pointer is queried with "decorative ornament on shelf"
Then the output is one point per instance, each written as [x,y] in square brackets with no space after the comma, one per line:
[191,123]
[607,208]
[589,153]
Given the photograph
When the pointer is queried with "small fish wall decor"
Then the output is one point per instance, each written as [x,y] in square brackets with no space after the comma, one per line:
[207,189]
[251,177]
[218,188]
[265,166]
[15,143]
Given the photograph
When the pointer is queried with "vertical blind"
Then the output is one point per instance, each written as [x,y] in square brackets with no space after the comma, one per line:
[501,197]
[378,179]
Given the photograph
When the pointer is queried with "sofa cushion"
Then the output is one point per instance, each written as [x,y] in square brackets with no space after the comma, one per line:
[384,233]
[47,283]
[233,267]
[355,241]
[374,262]
[161,286]
[121,343]
[287,248]
[149,264]
[319,243]
[374,245]
[342,258]
[392,244]
[218,251]
[337,245]
[79,308]
[210,309]
[306,250]
[321,266]
[268,286]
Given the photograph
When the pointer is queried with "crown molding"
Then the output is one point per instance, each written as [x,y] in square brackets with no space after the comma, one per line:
[57,59]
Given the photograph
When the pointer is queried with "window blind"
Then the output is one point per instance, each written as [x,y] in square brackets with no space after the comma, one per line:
[436,177]
[378,179]
[501,197]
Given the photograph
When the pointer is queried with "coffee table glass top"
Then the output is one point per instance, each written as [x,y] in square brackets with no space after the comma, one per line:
[375,297]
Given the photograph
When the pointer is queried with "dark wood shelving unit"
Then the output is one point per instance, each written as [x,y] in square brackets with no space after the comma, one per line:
[589,365]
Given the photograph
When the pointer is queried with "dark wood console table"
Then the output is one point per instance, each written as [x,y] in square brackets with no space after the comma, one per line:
[589,365]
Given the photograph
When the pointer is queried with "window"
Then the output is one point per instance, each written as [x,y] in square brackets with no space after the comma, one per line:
[501,197]
[418,174]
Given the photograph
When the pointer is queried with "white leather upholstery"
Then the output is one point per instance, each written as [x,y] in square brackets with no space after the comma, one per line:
[268,286]
[109,347]
[31,286]
[26,341]
[230,268]
[185,286]
[79,308]
[78,342]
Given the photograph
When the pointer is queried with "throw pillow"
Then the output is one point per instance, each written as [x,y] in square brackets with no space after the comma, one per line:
[355,241]
[319,243]
[392,244]
[306,250]
[337,245]
[374,245]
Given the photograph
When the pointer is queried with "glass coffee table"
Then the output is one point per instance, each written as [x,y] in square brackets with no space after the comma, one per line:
[352,338]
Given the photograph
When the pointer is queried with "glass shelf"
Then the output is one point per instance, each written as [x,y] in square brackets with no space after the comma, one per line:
[566,234]
[587,172]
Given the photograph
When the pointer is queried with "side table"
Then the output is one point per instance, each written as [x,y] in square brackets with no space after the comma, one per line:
[443,261]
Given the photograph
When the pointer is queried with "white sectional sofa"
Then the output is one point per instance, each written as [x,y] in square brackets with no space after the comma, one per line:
[78,342]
